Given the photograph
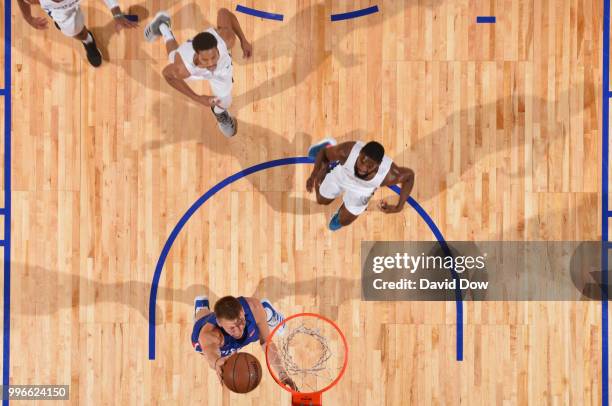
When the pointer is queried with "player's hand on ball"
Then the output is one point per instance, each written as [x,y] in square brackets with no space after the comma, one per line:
[39,23]
[247,49]
[219,369]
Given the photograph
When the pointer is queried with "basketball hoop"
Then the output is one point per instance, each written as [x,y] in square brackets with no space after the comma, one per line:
[312,351]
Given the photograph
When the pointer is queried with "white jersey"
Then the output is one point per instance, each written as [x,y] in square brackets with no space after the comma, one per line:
[356,193]
[346,173]
[50,5]
[221,78]
[61,5]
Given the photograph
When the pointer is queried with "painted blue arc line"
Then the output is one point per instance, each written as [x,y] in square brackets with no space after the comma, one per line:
[485,20]
[354,14]
[259,13]
[458,299]
[239,175]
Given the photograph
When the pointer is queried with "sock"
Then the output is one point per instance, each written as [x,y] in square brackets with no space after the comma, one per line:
[165,32]
[218,110]
[89,39]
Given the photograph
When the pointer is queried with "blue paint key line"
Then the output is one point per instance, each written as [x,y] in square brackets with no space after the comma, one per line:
[354,14]
[259,13]
[485,20]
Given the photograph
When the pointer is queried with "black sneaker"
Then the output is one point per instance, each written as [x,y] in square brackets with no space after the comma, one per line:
[93,53]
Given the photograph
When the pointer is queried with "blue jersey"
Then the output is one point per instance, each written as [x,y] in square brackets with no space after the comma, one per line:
[230,344]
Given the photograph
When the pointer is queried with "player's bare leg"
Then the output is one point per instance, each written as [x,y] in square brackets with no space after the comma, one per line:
[89,43]
[342,218]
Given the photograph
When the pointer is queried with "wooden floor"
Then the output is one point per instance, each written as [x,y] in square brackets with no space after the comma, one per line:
[501,123]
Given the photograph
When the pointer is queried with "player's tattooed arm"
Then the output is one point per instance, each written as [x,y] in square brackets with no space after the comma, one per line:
[228,28]
[176,73]
[338,152]
[40,23]
[403,176]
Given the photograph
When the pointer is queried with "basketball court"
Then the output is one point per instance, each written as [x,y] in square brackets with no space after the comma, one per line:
[122,201]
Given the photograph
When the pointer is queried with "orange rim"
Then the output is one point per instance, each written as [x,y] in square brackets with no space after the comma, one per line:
[344,365]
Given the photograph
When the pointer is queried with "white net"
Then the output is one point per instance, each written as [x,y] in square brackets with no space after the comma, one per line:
[310,351]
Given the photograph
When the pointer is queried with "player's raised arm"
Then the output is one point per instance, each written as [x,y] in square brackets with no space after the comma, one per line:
[264,331]
[228,28]
[403,176]
[211,350]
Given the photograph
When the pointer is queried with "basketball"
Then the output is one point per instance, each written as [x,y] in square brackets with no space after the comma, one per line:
[241,372]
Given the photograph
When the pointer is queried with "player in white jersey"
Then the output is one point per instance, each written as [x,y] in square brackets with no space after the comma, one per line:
[361,169]
[69,19]
[205,57]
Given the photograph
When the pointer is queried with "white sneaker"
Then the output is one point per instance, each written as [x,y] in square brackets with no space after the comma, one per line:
[273,317]
[227,124]
[199,303]
[151,31]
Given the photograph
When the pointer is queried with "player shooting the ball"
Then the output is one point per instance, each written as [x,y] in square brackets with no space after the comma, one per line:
[234,324]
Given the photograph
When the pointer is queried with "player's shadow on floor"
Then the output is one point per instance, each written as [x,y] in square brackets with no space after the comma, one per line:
[46,290]
[137,49]
[304,38]
[38,55]
[252,145]
[507,131]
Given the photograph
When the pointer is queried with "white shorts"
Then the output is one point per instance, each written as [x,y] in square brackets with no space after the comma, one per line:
[221,90]
[354,201]
[71,21]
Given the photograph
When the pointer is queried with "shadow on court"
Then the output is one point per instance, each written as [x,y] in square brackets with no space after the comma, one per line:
[500,127]
[252,145]
[48,292]
[311,40]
